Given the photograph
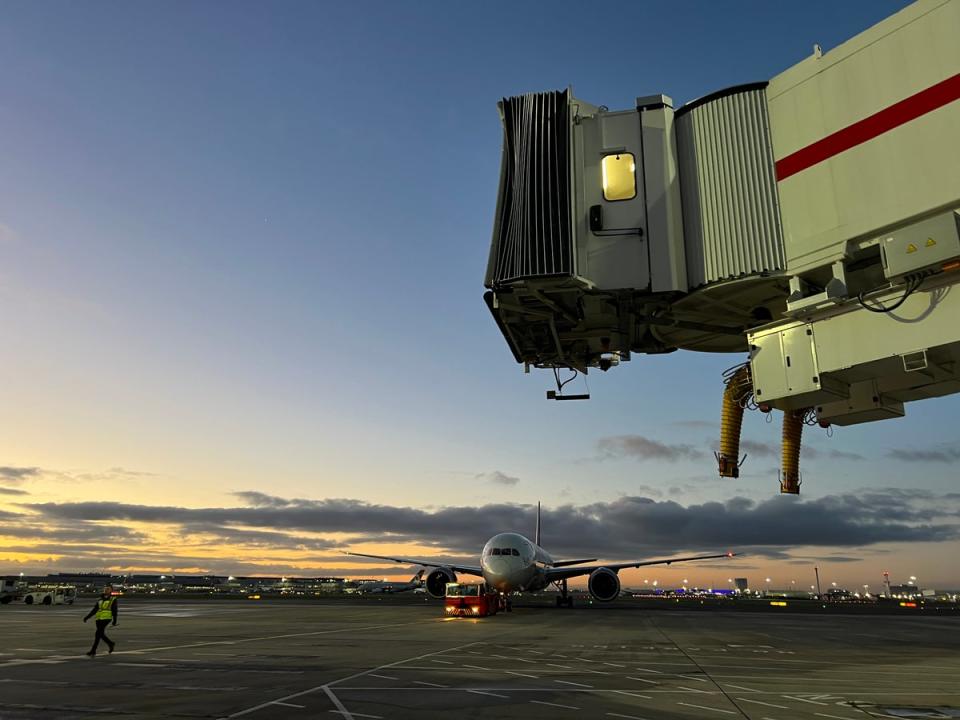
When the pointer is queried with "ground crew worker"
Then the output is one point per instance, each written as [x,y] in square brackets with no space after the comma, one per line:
[105,610]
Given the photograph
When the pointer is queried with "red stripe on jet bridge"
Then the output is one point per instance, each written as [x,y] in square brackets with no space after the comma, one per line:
[870,127]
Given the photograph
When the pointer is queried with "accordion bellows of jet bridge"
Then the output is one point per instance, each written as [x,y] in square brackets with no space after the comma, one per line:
[810,223]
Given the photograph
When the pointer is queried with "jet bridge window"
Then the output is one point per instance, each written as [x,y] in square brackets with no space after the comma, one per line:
[619,176]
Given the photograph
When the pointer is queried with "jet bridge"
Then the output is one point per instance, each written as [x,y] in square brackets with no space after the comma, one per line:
[810,223]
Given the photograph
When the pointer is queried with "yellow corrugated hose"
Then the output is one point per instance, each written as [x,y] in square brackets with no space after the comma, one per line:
[731,420]
[790,457]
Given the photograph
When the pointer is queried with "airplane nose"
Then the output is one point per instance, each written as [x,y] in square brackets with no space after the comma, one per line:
[498,565]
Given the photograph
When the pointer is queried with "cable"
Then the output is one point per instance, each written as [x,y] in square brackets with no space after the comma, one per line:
[912,287]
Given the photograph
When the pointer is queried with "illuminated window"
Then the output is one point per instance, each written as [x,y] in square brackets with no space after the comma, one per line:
[619,176]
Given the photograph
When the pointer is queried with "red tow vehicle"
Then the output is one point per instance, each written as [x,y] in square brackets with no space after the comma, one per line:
[471,600]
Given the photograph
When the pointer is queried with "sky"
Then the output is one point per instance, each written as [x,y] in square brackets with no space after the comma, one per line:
[242,248]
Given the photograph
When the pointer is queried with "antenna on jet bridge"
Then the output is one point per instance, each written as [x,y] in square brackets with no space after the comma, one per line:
[537,534]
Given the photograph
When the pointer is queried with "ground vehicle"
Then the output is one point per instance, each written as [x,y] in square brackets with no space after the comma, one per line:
[58,595]
[8,590]
[471,600]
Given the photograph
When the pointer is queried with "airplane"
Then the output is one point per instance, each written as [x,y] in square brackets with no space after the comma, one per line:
[511,563]
[391,587]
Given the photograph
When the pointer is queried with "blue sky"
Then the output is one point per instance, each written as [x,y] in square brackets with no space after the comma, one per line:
[242,248]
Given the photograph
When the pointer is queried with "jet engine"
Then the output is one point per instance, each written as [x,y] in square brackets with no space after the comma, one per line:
[604,584]
[436,583]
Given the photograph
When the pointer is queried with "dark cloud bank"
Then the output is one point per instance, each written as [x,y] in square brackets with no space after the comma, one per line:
[629,527]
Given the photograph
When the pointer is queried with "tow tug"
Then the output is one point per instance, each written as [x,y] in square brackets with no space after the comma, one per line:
[476,599]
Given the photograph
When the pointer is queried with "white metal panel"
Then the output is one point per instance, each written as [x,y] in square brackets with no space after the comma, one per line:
[730,214]
[891,179]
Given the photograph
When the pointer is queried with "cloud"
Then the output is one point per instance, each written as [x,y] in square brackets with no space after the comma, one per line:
[929,455]
[627,528]
[17,474]
[697,424]
[756,448]
[642,448]
[498,478]
[12,491]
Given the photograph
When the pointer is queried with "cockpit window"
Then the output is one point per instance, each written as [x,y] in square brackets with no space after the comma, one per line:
[505,551]
[495,551]
[516,552]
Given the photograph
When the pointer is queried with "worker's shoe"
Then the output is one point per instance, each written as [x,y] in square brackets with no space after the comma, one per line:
[91,653]
[112,646]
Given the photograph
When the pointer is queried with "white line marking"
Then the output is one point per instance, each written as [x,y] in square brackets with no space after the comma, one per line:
[628,717]
[526,675]
[383,677]
[694,690]
[568,682]
[760,702]
[633,694]
[812,702]
[359,715]
[428,684]
[477,667]
[339,705]
[840,717]
[652,682]
[612,665]
[492,694]
[691,677]
[704,707]
[298,707]
[565,707]
[146,665]
[442,662]
[741,687]
[565,667]
[658,672]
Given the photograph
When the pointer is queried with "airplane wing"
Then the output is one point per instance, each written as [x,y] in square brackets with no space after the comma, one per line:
[565,563]
[467,569]
[562,573]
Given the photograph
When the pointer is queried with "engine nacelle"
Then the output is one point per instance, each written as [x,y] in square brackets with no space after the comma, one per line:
[437,580]
[604,585]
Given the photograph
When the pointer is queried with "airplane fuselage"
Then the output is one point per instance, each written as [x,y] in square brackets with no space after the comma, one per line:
[510,563]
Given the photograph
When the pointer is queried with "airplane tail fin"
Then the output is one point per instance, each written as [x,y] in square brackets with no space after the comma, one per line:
[537,534]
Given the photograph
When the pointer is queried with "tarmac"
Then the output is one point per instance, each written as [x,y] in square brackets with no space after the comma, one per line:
[385,658]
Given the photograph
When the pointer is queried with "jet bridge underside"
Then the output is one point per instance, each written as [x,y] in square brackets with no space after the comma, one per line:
[567,324]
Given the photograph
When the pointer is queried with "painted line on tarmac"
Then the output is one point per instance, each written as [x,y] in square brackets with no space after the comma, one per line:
[704,707]
[760,702]
[526,675]
[360,715]
[335,700]
[298,707]
[569,682]
[632,694]
[491,694]
[627,717]
[428,684]
[812,702]
[652,682]
[558,705]
[383,677]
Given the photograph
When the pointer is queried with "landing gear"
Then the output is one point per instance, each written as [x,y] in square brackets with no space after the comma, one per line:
[564,599]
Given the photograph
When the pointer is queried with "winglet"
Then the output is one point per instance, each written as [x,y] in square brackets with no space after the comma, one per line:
[537,534]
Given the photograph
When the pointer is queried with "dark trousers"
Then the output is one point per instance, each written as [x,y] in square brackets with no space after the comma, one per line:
[101,635]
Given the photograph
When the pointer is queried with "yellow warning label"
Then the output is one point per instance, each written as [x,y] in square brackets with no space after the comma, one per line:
[911,248]
[931,242]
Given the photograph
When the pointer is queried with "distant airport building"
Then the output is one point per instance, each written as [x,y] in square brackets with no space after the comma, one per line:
[741,584]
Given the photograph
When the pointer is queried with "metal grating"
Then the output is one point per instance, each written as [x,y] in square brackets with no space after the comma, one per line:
[532,233]
[731,214]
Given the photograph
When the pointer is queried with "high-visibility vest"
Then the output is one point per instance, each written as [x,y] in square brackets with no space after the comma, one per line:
[104,609]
